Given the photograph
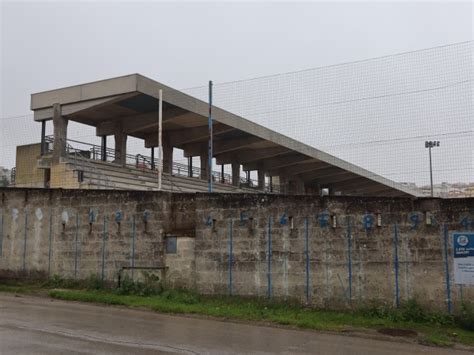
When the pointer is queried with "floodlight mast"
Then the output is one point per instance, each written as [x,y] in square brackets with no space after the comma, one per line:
[429,145]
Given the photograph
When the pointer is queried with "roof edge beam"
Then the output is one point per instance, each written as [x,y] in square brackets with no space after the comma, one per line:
[132,124]
[252,155]
[221,146]
[179,137]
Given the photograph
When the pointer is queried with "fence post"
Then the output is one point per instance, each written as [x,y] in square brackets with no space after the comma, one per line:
[211,143]
[230,255]
[76,246]
[269,259]
[395,250]
[50,236]
[1,235]
[446,267]
[306,247]
[132,259]
[349,252]
[104,237]
[25,239]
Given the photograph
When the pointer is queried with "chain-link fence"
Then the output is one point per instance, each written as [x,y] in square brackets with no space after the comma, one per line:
[375,113]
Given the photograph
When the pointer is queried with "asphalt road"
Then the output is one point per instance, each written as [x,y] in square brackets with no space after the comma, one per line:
[32,325]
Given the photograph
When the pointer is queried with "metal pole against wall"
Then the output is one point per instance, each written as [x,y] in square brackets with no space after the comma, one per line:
[231,252]
[76,246]
[210,139]
[269,259]
[306,252]
[160,143]
[50,237]
[446,267]
[349,254]
[104,238]
[396,265]
[25,238]
[132,259]
[1,235]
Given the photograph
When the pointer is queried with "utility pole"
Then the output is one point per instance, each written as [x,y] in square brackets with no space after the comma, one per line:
[160,144]
[429,145]
[210,139]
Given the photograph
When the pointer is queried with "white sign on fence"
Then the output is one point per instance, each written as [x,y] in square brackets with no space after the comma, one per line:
[463,244]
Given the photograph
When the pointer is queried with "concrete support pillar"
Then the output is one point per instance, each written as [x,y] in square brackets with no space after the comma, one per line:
[284,188]
[103,148]
[299,188]
[314,188]
[43,138]
[295,186]
[60,134]
[167,156]
[120,147]
[152,149]
[261,179]
[204,164]
[236,174]
[190,166]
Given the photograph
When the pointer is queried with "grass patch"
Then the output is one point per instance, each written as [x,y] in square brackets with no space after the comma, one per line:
[436,329]
[434,332]
[17,287]
[438,339]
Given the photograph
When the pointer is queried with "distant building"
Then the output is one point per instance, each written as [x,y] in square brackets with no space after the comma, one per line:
[4,176]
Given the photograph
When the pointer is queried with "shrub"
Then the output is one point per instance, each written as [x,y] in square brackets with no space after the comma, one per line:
[54,282]
[412,311]
[94,283]
[150,286]
[58,282]
[465,319]
[381,312]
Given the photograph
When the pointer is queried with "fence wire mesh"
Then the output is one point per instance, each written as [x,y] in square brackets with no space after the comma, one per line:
[374,113]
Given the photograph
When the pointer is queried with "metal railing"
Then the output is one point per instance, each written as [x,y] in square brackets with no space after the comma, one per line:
[87,151]
[84,157]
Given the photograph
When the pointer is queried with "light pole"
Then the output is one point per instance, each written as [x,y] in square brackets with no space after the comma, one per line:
[429,145]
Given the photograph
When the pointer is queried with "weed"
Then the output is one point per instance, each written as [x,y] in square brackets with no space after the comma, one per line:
[150,286]
[58,282]
[412,311]
[94,283]
[465,318]
[438,329]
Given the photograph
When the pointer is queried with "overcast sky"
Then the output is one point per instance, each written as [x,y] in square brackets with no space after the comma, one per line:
[46,45]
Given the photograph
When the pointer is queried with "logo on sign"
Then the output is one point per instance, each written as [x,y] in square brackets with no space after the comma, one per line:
[463,240]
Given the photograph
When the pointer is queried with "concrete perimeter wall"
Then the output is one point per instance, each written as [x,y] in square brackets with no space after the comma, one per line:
[329,252]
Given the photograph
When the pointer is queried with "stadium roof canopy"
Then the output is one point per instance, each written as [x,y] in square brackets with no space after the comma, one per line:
[129,103]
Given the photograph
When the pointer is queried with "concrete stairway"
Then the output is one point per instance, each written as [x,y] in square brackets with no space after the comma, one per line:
[100,175]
